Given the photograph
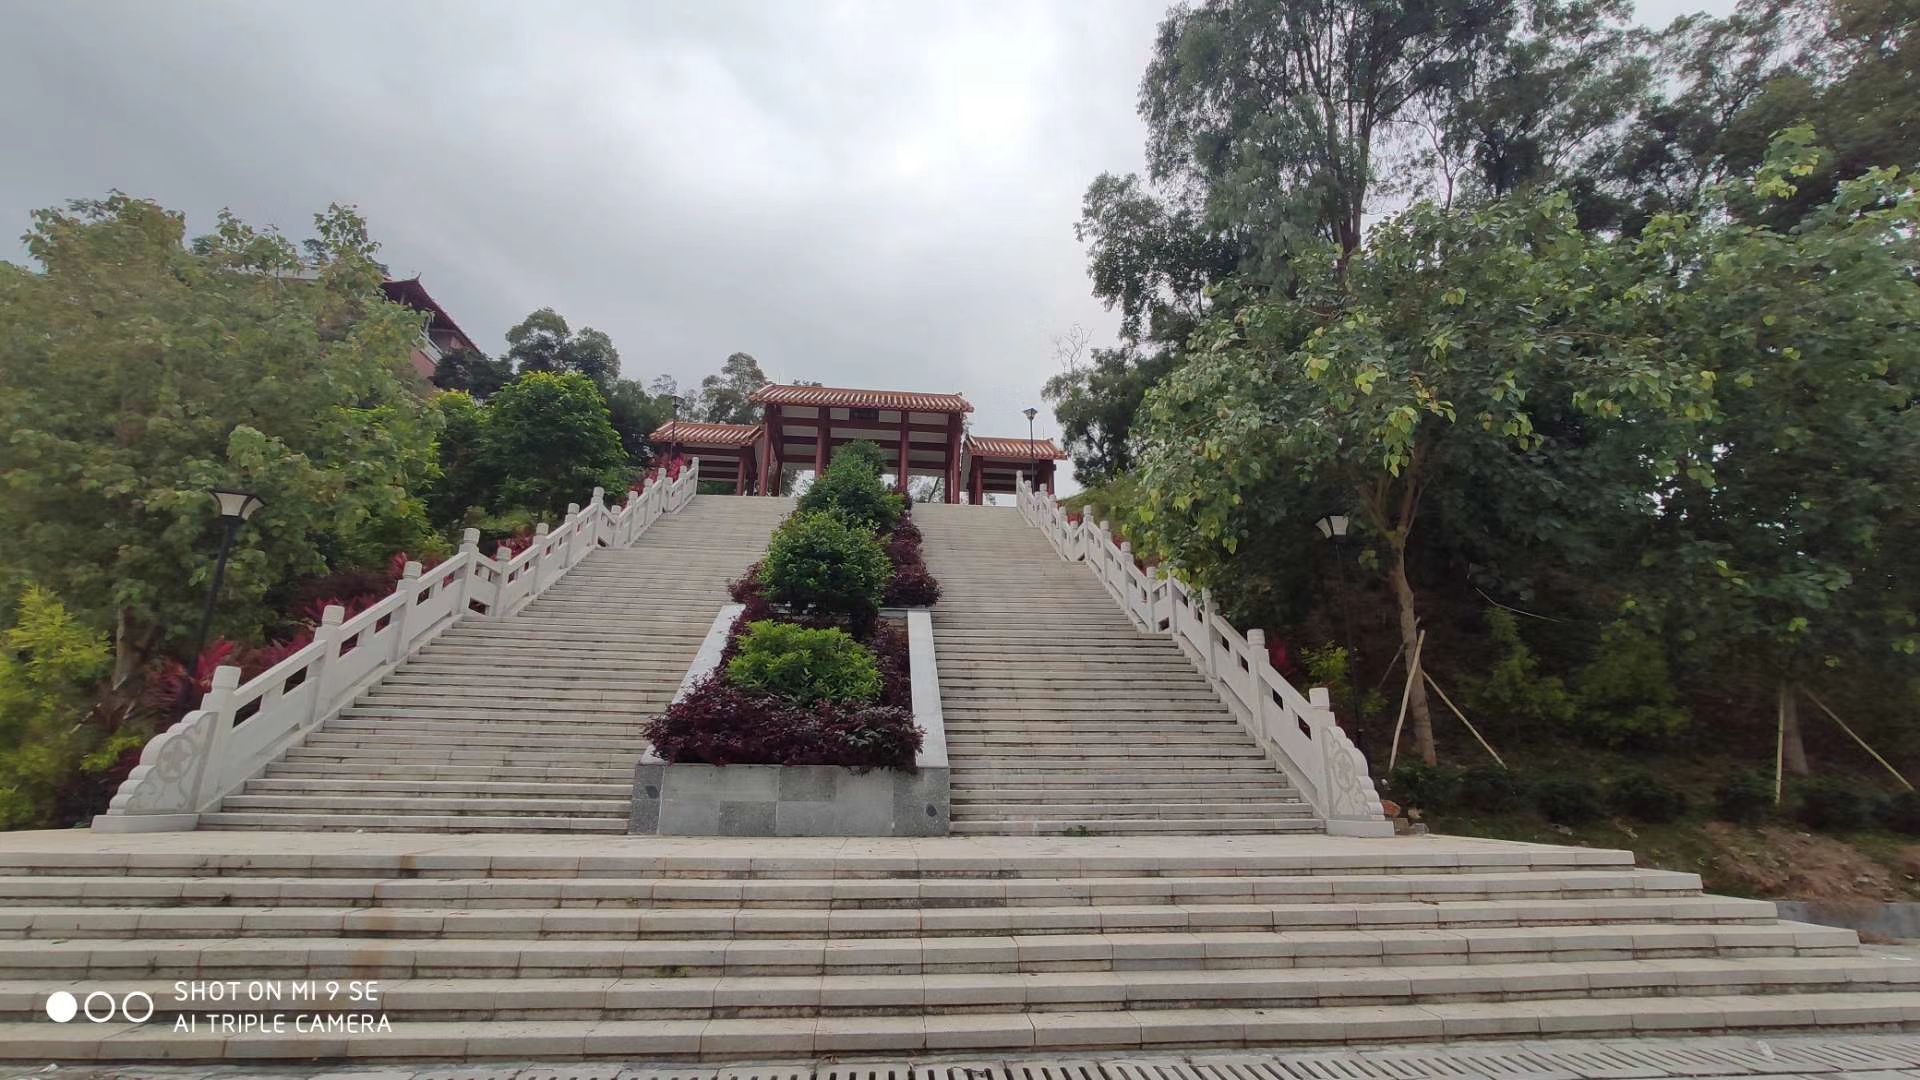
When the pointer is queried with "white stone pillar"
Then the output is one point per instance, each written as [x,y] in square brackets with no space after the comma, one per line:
[408,588]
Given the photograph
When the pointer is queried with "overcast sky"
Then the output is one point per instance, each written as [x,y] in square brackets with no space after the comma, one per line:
[864,194]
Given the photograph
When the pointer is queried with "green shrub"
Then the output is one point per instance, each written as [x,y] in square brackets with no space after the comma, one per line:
[1514,695]
[853,492]
[1625,696]
[1644,797]
[818,564]
[1901,813]
[50,665]
[1745,797]
[804,665]
[1429,787]
[1832,805]
[1567,800]
[866,453]
[1491,788]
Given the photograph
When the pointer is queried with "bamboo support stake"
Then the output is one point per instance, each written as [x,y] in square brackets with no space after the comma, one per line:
[1780,754]
[1406,695]
[1856,738]
[1463,719]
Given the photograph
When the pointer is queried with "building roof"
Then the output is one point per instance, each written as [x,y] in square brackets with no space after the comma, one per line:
[694,433]
[1014,449]
[834,397]
[409,292]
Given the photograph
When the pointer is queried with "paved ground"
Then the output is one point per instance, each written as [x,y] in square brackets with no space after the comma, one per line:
[1850,1057]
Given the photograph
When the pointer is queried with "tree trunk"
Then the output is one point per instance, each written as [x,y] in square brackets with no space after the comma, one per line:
[1793,751]
[129,650]
[1409,641]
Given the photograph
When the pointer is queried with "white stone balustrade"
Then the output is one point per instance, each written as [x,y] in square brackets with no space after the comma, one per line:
[240,729]
[1298,731]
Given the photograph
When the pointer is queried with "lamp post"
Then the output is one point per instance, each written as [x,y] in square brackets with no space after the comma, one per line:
[1034,477]
[1333,528]
[235,508]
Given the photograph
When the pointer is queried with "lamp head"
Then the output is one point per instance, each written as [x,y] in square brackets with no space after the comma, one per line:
[1030,413]
[238,505]
[1333,526]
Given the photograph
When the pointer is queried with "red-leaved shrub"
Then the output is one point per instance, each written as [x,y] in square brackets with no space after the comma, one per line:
[913,585]
[716,724]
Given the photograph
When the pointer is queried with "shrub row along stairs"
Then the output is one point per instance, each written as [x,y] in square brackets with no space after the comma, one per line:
[1062,717]
[529,723]
[775,949]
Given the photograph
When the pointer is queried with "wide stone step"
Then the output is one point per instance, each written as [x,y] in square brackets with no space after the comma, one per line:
[517,772]
[513,823]
[987,741]
[487,788]
[546,806]
[560,999]
[589,711]
[307,956]
[987,807]
[618,892]
[1095,755]
[378,739]
[444,726]
[528,924]
[453,756]
[1120,826]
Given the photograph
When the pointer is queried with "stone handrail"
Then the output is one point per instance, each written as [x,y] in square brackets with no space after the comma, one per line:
[1298,731]
[241,728]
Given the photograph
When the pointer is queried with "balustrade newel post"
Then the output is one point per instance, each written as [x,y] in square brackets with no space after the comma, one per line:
[327,637]
[407,591]
[1206,634]
[538,563]
[463,591]
[218,701]
[503,555]
[1256,688]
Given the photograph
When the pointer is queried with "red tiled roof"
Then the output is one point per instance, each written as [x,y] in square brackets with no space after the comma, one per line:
[693,433]
[1014,449]
[834,397]
[410,293]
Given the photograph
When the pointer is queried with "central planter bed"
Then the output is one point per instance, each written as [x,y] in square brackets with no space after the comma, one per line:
[809,711]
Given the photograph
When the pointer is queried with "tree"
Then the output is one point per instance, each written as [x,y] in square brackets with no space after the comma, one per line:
[723,397]
[463,482]
[1096,405]
[635,414]
[549,441]
[543,342]
[472,372]
[140,373]
[49,669]
[1483,351]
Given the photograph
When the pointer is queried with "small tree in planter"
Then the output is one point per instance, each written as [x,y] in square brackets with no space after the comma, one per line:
[820,565]
[851,491]
[804,665]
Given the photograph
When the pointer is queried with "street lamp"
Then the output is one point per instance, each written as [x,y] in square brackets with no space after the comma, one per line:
[1333,527]
[235,508]
[1032,412]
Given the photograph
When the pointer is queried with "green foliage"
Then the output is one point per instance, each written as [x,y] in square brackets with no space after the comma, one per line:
[1625,695]
[1567,800]
[1745,797]
[804,665]
[636,414]
[140,372]
[1096,404]
[543,342]
[462,482]
[853,492]
[723,397]
[546,442]
[1429,787]
[1514,693]
[472,373]
[49,668]
[1901,813]
[1491,789]
[864,451]
[1833,805]
[819,564]
[1640,795]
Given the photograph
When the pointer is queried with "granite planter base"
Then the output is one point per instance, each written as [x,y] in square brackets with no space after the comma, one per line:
[787,800]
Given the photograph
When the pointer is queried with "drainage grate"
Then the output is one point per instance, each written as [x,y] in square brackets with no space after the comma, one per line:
[861,1071]
[960,1070]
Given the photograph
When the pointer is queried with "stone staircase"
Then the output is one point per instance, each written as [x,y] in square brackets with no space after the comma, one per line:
[664,948]
[1061,717]
[526,724]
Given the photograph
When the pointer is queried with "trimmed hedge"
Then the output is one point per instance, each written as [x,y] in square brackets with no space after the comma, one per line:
[804,665]
[820,565]
[718,724]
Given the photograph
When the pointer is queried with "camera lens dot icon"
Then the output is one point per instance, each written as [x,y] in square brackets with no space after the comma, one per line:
[61,1006]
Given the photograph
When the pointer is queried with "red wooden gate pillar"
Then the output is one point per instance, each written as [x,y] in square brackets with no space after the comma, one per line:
[906,447]
[952,494]
[978,483]
[822,440]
